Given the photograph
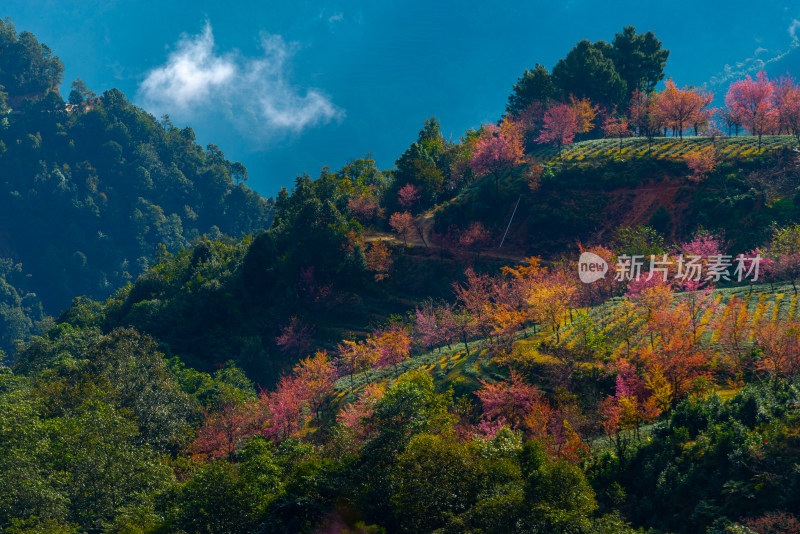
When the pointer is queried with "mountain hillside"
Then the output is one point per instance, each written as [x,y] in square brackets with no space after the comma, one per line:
[526,330]
[91,189]
[594,188]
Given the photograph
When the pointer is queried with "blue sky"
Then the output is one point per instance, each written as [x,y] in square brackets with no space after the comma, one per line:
[287,87]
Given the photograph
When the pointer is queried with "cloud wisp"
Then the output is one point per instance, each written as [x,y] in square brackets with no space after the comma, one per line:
[793,27]
[761,59]
[197,82]
[749,66]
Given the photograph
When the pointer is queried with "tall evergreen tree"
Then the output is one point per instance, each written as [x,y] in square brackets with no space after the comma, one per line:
[639,59]
[535,85]
[587,71]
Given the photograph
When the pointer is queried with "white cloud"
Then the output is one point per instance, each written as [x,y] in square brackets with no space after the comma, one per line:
[333,19]
[192,71]
[253,92]
[793,27]
[277,101]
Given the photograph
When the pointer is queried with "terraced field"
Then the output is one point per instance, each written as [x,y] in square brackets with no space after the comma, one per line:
[665,147]
[452,367]
[773,302]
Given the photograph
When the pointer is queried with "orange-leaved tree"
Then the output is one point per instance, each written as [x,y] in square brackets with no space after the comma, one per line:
[779,342]
[682,108]
[551,299]
[379,260]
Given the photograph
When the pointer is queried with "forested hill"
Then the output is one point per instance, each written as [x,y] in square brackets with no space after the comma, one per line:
[374,361]
[91,188]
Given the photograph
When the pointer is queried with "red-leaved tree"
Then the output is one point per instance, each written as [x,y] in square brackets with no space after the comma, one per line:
[296,337]
[618,127]
[223,432]
[644,117]
[523,406]
[512,399]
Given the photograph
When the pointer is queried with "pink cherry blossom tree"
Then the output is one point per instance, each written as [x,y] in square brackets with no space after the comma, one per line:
[497,149]
[754,101]
[787,98]
[560,126]
[408,196]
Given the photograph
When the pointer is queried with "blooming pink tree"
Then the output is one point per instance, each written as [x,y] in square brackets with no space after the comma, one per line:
[788,105]
[523,406]
[786,267]
[364,207]
[475,237]
[560,126]
[754,101]
[704,244]
[628,408]
[730,119]
[408,196]
[427,326]
[356,416]
[286,409]
[448,328]
[644,117]
[498,148]
[638,285]
[223,432]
